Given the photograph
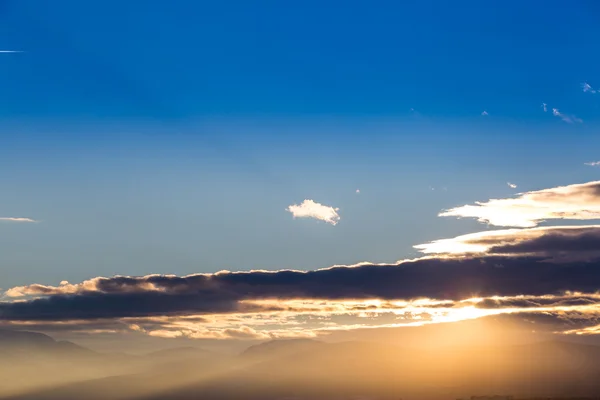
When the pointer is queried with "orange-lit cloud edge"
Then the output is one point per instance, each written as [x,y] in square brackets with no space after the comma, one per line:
[289,304]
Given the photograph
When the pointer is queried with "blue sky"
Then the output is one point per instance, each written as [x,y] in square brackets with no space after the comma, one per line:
[149,137]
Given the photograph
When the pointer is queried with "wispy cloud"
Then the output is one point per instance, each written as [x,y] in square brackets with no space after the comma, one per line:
[587,88]
[570,119]
[593,163]
[545,107]
[511,185]
[13,219]
[357,190]
[11,51]
[484,113]
[572,202]
[558,244]
[311,209]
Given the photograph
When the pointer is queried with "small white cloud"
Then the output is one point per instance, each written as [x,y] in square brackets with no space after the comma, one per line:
[511,185]
[310,209]
[63,283]
[484,113]
[593,163]
[567,118]
[587,88]
[545,107]
[12,219]
[357,190]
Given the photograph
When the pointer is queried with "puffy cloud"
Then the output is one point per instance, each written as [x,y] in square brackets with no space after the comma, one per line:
[511,185]
[574,202]
[311,209]
[17,219]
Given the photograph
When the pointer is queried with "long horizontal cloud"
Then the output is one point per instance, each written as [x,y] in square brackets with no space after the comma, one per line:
[436,278]
[572,202]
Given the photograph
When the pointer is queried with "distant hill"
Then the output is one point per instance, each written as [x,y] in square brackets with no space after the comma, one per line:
[180,351]
[12,339]
[34,360]
[316,370]
[18,343]
[179,355]
[280,348]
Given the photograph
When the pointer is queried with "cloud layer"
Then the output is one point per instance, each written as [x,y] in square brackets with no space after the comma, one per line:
[434,278]
[311,209]
[572,202]
[539,273]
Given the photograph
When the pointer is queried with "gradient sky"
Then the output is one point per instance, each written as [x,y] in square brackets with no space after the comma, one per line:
[170,137]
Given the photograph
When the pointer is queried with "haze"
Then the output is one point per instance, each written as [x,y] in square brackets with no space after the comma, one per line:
[313,200]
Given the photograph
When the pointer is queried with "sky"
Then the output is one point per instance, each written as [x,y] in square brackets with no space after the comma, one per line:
[147,139]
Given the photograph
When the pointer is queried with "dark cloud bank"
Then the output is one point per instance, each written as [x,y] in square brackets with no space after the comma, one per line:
[197,294]
[525,271]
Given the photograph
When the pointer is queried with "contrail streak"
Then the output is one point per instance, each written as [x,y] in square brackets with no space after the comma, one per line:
[17,219]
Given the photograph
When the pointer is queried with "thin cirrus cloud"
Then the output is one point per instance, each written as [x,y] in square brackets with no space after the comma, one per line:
[311,209]
[17,219]
[593,163]
[570,119]
[588,89]
[511,185]
[545,107]
[572,202]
